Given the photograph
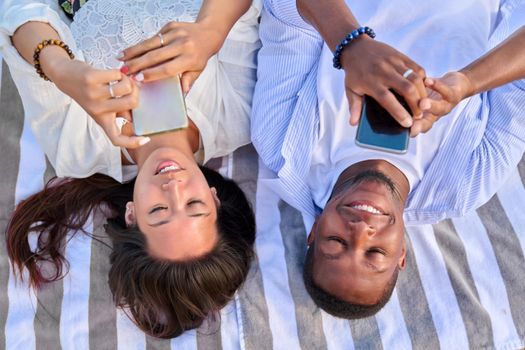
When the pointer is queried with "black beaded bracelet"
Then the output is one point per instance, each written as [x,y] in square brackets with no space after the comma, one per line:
[38,49]
[347,40]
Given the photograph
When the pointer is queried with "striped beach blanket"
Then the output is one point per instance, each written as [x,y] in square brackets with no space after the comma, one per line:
[464,285]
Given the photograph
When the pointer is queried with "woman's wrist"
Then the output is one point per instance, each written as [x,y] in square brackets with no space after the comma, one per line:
[52,59]
[216,32]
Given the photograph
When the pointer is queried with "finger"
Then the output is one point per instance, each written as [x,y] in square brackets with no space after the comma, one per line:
[165,70]
[187,79]
[436,107]
[102,76]
[153,58]
[408,90]
[115,90]
[420,86]
[423,125]
[389,102]
[441,88]
[124,103]
[141,48]
[356,104]
[113,129]
[126,115]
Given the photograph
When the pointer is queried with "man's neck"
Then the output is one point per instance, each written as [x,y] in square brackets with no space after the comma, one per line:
[400,180]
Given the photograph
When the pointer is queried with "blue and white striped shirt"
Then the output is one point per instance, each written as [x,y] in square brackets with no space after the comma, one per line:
[476,156]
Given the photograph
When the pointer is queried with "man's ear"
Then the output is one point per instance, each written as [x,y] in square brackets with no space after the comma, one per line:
[215,197]
[130,214]
[311,235]
[402,259]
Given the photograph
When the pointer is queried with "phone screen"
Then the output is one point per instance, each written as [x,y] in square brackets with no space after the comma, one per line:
[379,130]
[161,108]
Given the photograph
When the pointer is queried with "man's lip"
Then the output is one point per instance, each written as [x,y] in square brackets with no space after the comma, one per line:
[167,163]
[354,204]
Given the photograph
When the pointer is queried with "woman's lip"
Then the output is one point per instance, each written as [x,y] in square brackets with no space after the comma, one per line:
[354,204]
[167,163]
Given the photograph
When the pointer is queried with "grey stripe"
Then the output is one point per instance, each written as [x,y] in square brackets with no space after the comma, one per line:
[254,310]
[11,124]
[102,312]
[414,305]
[365,334]
[475,317]
[521,169]
[308,315]
[47,318]
[49,172]
[509,255]
[157,344]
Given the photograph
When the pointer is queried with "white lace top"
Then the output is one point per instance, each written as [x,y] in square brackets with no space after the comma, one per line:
[219,102]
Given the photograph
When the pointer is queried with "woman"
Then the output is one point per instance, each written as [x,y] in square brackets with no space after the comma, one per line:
[182,234]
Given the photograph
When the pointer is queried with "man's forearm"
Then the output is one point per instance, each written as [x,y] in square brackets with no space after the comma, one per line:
[501,65]
[332,19]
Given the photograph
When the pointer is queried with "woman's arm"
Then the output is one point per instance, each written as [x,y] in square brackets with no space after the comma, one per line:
[89,87]
[186,46]
[371,67]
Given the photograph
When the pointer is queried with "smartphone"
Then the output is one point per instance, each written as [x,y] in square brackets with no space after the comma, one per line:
[161,108]
[379,130]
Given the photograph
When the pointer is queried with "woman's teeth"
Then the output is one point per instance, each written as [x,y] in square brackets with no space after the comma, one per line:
[169,168]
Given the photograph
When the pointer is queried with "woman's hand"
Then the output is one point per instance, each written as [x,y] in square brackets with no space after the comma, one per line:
[92,89]
[444,94]
[185,50]
[374,68]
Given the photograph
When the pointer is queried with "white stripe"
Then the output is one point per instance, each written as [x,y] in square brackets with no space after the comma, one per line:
[129,337]
[19,330]
[74,319]
[487,277]
[186,341]
[229,326]
[512,198]
[271,254]
[393,337]
[440,295]
[337,333]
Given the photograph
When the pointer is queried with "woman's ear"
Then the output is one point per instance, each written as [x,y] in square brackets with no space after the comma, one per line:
[130,214]
[215,197]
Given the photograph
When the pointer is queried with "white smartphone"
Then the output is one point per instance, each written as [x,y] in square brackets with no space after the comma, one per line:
[161,108]
[379,130]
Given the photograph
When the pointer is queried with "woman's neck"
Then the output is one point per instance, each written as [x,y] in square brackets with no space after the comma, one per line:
[185,140]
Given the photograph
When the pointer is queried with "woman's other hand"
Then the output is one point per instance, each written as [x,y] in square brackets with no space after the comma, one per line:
[103,94]
[185,49]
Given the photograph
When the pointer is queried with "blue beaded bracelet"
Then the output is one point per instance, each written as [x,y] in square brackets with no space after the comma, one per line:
[347,40]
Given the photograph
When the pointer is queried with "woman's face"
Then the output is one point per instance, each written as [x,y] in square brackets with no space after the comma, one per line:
[174,206]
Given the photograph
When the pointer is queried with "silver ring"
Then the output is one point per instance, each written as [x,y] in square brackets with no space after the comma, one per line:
[407,73]
[110,87]
[161,39]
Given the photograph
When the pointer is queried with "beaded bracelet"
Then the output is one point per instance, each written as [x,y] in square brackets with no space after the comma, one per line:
[347,40]
[38,49]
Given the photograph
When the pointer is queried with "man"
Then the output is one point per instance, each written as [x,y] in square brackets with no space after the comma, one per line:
[300,128]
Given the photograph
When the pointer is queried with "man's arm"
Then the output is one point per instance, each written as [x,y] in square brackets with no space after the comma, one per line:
[371,67]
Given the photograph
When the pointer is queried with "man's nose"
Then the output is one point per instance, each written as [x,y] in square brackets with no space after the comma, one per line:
[359,231]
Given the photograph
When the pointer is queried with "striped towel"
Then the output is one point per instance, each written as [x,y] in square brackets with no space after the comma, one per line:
[464,285]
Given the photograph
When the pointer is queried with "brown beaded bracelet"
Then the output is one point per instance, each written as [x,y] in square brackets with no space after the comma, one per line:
[38,49]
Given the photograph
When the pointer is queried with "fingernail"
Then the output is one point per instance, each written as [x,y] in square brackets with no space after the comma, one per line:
[429,81]
[144,140]
[124,69]
[139,77]
[120,55]
[407,122]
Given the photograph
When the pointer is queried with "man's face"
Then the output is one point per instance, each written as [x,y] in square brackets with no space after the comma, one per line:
[359,241]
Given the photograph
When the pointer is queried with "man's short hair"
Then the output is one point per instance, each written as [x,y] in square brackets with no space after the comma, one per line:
[337,307]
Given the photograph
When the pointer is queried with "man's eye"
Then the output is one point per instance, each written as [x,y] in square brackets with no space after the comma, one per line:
[157,209]
[337,239]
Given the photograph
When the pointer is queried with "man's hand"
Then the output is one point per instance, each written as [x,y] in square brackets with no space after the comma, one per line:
[186,49]
[444,94]
[373,68]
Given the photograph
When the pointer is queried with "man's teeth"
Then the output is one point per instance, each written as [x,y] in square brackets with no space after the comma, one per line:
[366,208]
[168,168]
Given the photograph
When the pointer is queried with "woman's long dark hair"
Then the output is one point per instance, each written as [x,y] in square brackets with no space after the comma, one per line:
[164,298]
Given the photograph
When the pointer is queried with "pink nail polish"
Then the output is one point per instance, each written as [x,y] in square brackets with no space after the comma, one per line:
[139,77]
[124,69]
